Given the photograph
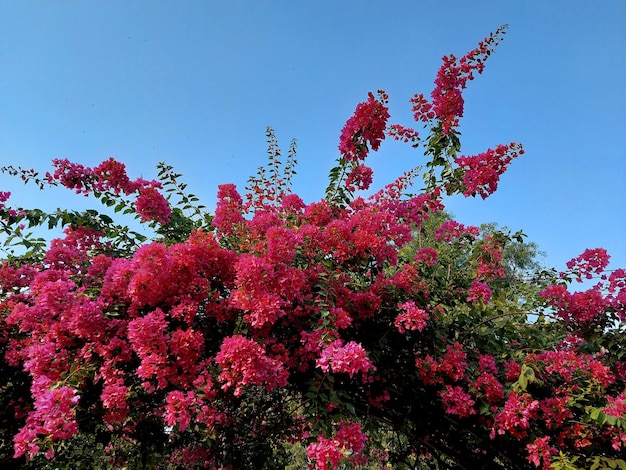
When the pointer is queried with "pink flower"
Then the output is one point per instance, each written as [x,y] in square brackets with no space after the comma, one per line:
[585,307]
[367,125]
[114,399]
[616,406]
[491,388]
[244,362]
[351,437]
[359,178]
[4,195]
[72,176]
[555,411]
[53,416]
[412,318]
[229,209]
[479,292]
[452,230]
[148,337]
[489,259]
[457,402]
[453,363]
[487,363]
[482,171]
[350,358]
[422,109]
[150,282]
[349,441]
[325,451]
[426,255]
[589,263]
[452,77]
[111,176]
[404,134]
[428,370]
[292,203]
[539,452]
[519,410]
[179,407]
[151,205]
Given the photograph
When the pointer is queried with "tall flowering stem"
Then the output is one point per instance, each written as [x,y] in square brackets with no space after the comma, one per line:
[363,132]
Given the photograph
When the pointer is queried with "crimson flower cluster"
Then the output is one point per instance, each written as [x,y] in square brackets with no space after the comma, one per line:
[482,171]
[447,99]
[597,305]
[366,126]
[110,176]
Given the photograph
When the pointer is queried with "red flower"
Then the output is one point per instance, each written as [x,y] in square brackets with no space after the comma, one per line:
[589,263]
[412,318]
[366,126]
[479,292]
[229,209]
[350,358]
[539,452]
[360,177]
[482,171]
[244,362]
[519,410]
[151,205]
[457,402]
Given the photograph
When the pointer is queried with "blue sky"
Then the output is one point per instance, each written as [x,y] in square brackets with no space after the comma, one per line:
[195,84]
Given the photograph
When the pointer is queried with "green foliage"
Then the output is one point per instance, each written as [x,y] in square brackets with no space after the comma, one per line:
[442,148]
[273,181]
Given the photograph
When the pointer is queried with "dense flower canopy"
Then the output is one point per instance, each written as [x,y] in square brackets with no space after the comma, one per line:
[364,331]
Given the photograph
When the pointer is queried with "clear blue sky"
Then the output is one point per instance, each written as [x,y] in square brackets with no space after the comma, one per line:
[195,83]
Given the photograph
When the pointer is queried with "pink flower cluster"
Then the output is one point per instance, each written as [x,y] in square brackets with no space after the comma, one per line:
[404,134]
[4,195]
[490,259]
[616,405]
[228,211]
[482,171]
[180,408]
[411,318]
[452,366]
[244,362]
[447,99]
[519,410]
[366,126]
[594,305]
[53,416]
[350,358]
[110,176]
[359,178]
[457,402]
[581,308]
[151,205]
[148,337]
[426,255]
[348,443]
[590,262]
[488,386]
[616,292]
[280,290]
[540,451]
[568,364]
[479,292]
[452,230]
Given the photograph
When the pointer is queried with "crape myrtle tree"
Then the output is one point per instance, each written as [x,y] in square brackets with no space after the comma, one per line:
[349,332]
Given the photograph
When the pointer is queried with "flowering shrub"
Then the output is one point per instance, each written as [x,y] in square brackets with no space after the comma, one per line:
[364,331]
